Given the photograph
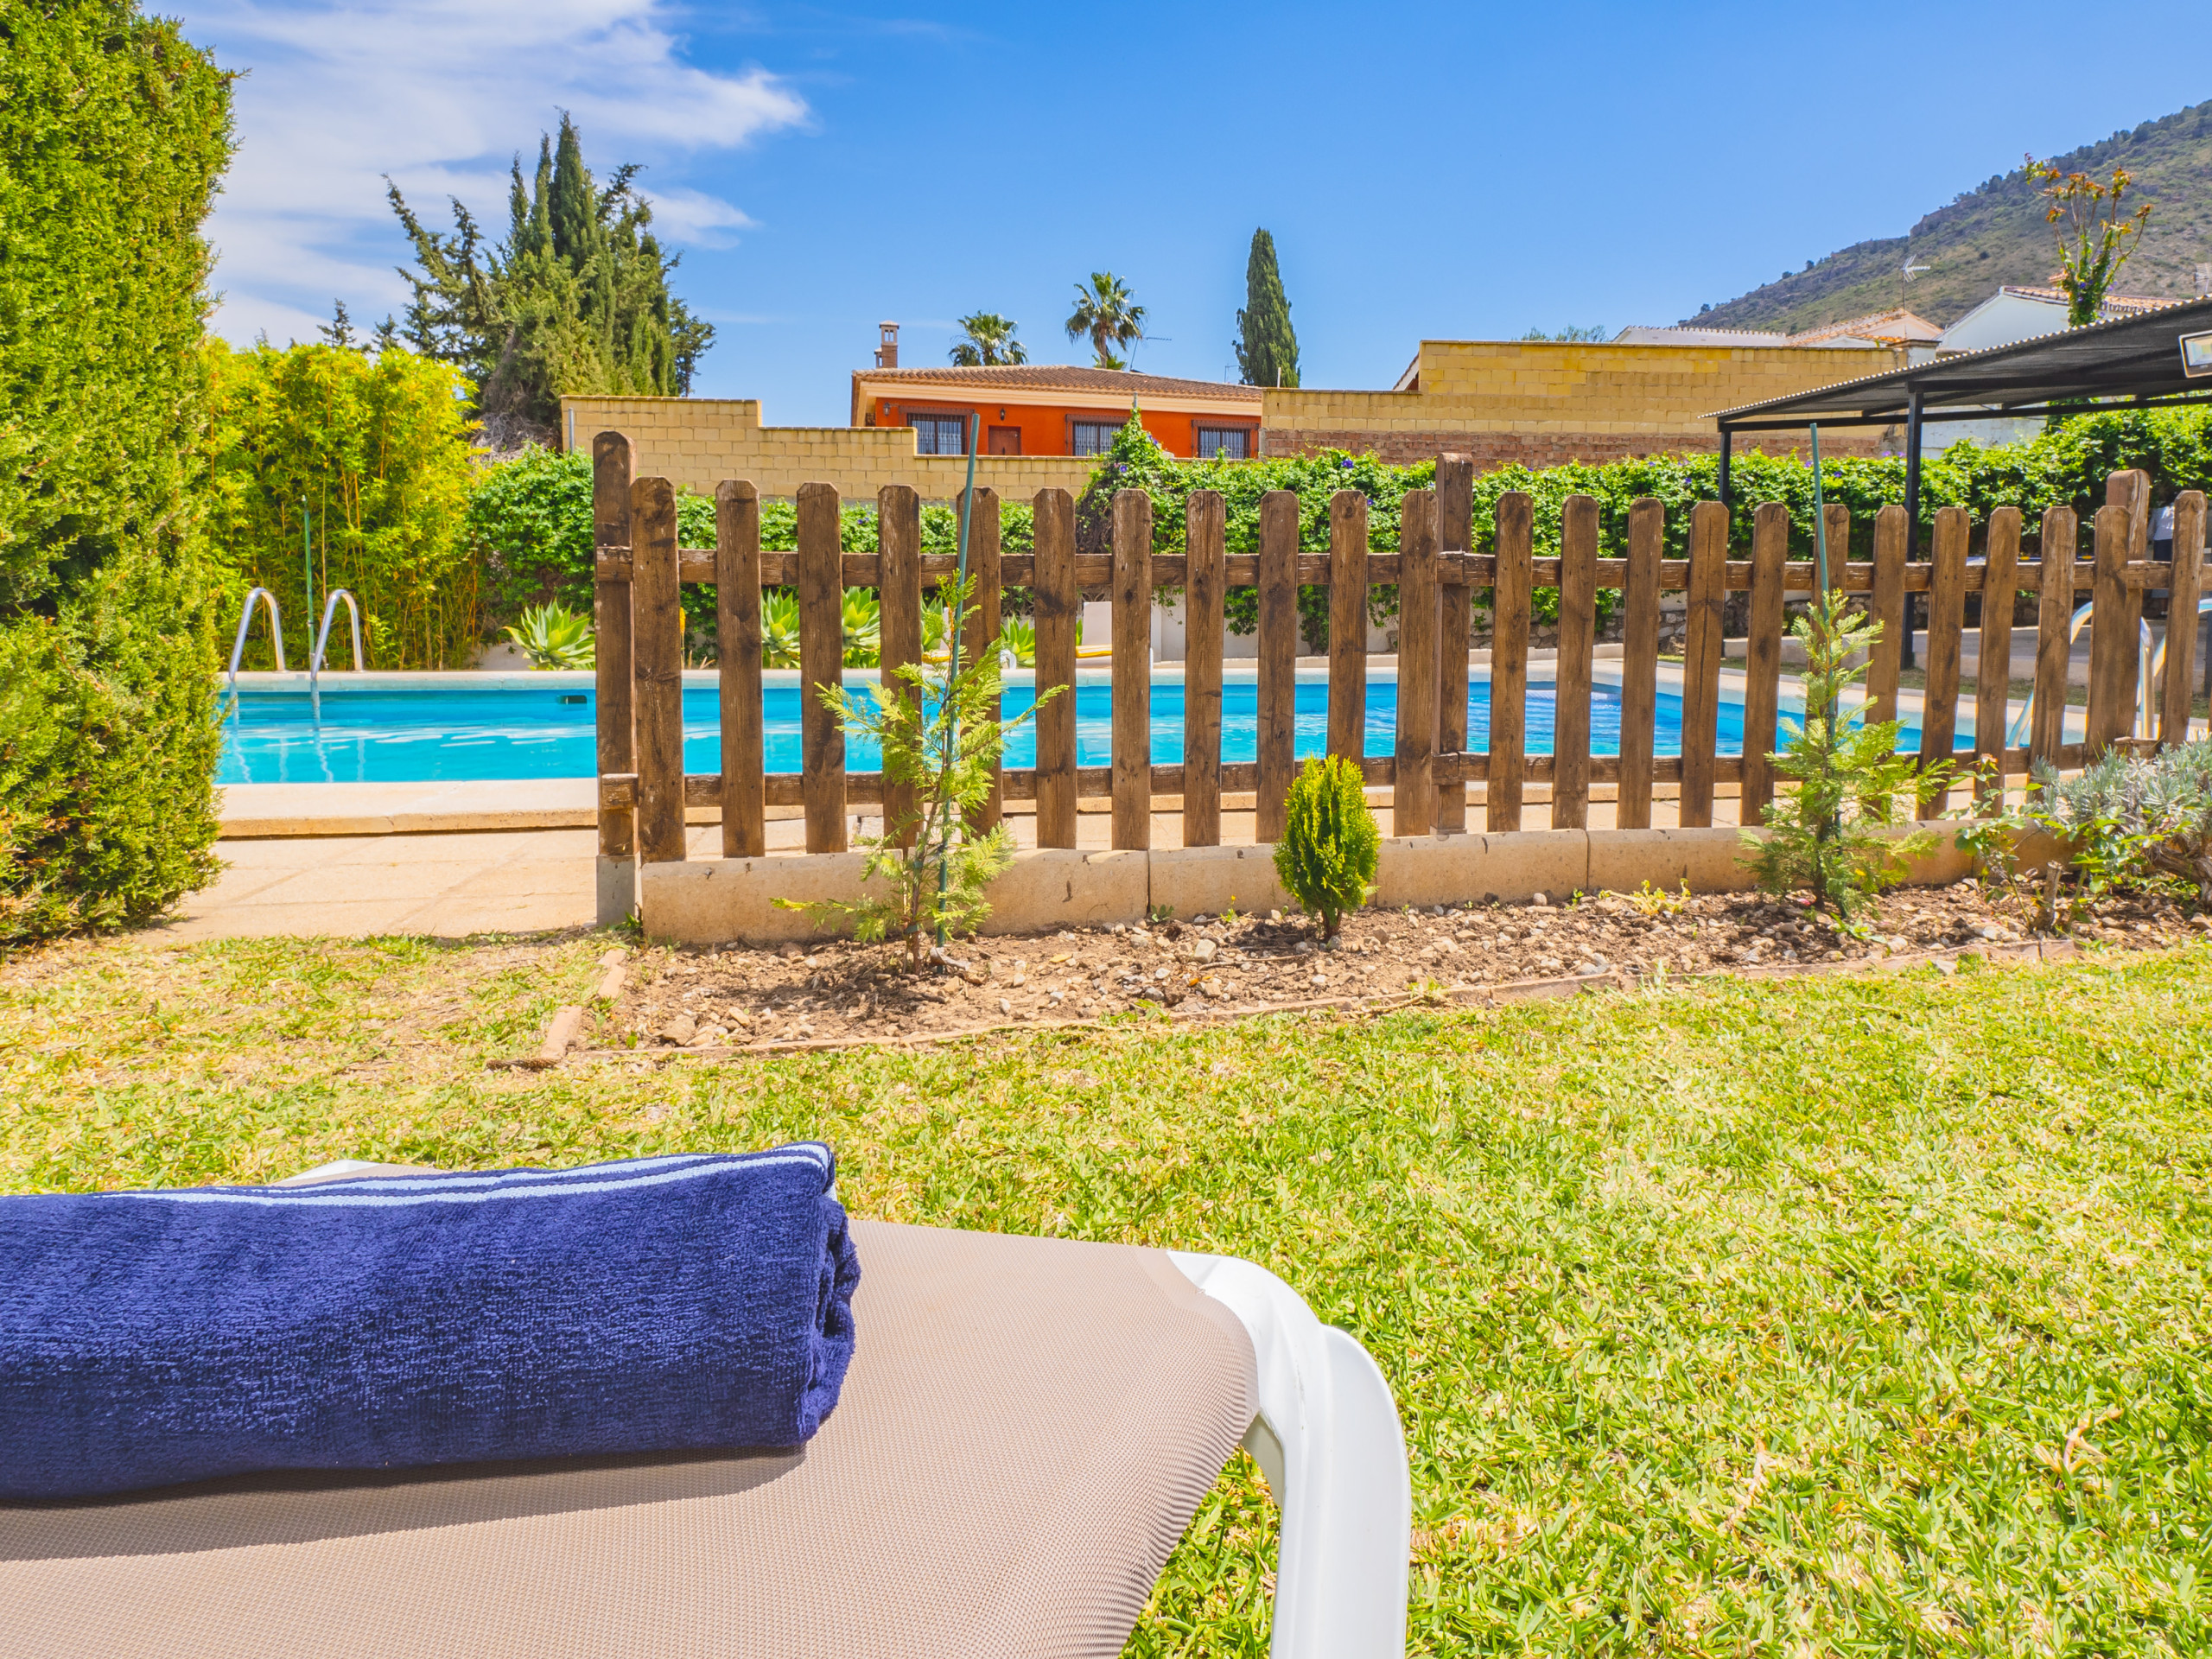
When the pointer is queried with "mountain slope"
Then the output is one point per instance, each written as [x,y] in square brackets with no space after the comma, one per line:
[1996,233]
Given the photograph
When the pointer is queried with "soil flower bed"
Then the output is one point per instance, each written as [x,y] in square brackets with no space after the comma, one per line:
[839,991]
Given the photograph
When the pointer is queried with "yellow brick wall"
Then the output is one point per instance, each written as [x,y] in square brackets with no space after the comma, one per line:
[1532,387]
[699,442]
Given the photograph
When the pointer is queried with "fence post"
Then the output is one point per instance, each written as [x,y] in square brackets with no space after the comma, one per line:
[1278,689]
[737,640]
[821,666]
[981,638]
[1947,614]
[1348,625]
[1647,536]
[2112,643]
[1133,669]
[1510,597]
[1059,603]
[1577,634]
[2000,581]
[1413,796]
[1205,520]
[658,628]
[2131,489]
[1708,593]
[618,757]
[1763,659]
[1885,605]
[2184,589]
[1455,533]
[899,639]
[2062,534]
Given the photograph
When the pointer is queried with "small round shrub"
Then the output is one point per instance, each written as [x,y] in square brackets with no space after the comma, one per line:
[1327,858]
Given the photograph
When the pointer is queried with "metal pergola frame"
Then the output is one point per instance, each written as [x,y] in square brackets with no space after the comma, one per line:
[2130,363]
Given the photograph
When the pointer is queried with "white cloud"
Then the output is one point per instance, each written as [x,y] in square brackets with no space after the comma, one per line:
[439,97]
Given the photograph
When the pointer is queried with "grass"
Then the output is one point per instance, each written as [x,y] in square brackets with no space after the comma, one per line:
[1839,1317]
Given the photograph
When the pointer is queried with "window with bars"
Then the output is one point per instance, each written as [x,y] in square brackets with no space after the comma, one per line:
[940,435]
[1225,442]
[1095,437]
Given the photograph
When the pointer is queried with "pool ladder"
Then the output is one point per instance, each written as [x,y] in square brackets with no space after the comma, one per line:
[316,657]
[2150,676]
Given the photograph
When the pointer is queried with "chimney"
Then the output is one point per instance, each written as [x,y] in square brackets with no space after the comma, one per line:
[2204,281]
[887,353]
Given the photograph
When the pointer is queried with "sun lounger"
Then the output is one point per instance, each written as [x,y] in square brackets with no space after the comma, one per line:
[1027,1426]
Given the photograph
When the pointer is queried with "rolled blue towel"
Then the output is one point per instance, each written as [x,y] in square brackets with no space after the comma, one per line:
[655,1305]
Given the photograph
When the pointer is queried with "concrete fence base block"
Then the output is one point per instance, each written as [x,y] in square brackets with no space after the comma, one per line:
[1711,861]
[1452,870]
[731,900]
[1056,886]
[1205,880]
[723,900]
[1945,862]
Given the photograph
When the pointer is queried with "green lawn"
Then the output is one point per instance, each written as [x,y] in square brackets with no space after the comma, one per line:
[1860,1316]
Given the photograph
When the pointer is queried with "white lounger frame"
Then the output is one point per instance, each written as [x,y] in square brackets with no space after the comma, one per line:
[1327,1438]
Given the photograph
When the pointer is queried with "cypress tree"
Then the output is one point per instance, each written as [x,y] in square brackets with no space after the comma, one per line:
[1267,349]
[572,210]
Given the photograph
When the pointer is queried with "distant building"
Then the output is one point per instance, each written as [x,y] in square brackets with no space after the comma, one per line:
[1899,327]
[1538,402]
[1034,408]
[2011,315]
[2006,317]
[1532,403]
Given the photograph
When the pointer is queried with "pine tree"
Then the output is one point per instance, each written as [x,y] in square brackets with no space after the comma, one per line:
[574,300]
[339,331]
[1267,349]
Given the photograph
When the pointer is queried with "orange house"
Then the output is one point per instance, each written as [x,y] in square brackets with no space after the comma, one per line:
[1040,409]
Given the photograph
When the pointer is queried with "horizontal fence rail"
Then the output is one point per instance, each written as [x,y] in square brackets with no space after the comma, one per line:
[644,792]
[1319,571]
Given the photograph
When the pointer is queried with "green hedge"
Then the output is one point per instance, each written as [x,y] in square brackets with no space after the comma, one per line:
[530,520]
[113,131]
[533,516]
[2064,468]
[372,453]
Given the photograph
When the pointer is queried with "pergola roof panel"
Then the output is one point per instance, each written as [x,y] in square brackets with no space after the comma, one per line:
[2137,356]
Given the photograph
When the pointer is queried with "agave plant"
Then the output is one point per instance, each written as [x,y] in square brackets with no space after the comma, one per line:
[553,636]
[780,628]
[1018,635]
[863,624]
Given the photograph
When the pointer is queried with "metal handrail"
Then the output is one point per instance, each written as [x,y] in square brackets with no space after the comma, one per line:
[245,621]
[2146,667]
[321,654]
[2159,661]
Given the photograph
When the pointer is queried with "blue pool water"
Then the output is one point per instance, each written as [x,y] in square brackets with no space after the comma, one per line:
[399,735]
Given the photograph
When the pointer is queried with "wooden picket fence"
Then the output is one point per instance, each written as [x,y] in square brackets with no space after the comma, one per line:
[644,792]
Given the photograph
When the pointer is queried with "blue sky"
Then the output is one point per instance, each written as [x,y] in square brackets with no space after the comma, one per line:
[1440,171]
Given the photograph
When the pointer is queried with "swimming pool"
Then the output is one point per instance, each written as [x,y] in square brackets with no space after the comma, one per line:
[520,726]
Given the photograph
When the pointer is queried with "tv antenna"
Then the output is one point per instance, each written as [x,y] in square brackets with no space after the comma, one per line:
[1906,272]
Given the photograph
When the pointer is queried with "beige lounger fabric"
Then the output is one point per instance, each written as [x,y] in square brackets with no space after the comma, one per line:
[1028,1426]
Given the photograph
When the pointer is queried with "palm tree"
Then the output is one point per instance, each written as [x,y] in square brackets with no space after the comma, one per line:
[1103,311]
[988,341]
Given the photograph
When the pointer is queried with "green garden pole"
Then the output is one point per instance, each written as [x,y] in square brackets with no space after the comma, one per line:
[1820,521]
[953,717]
[307,576]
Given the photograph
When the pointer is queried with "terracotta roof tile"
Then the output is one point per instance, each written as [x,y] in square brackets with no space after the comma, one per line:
[1897,324]
[2122,305]
[1117,384]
